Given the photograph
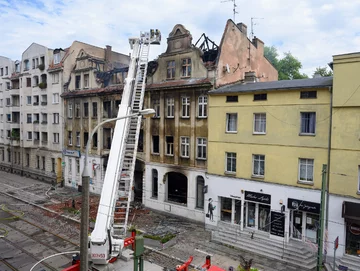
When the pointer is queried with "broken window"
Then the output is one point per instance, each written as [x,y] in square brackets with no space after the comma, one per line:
[107,138]
[177,187]
[186,67]
[86,80]
[155,145]
[86,138]
[154,192]
[94,109]
[107,109]
[170,69]
[77,81]
[169,145]
[95,140]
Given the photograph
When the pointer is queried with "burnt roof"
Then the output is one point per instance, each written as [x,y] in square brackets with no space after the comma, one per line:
[94,92]
[320,82]
[184,83]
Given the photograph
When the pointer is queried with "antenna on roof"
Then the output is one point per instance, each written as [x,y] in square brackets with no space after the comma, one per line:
[234,7]
[252,26]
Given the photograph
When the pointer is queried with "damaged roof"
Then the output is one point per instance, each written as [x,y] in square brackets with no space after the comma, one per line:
[184,83]
[320,82]
[94,92]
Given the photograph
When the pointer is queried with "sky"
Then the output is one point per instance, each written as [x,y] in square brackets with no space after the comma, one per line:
[312,30]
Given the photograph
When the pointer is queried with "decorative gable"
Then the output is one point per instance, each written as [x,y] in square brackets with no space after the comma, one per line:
[179,39]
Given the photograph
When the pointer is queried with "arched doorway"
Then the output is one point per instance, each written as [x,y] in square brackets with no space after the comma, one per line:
[177,187]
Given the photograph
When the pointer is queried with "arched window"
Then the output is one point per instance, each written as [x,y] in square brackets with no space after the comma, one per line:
[154,184]
[200,182]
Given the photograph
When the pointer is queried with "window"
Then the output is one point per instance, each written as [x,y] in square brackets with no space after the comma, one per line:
[6,70]
[56,118]
[94,110]
[70,137]
[77,160]
[52,164]
[184,146]
[8,133]
[36,136]
[2,117]
[259,123]
[27,160]
[44,118]
[2,72]
[33,63]
[28,99]
[70,165]
[260,97]
[170,70]
[70,110]
[86,138]
[56,98]
[86,80]
[86,109]
[202,106]
[77,81]
[306,170]
[155,179]
[37,161]
[169,107]
[230,166]
[95,140]
[55,78]
[78,139]
[28,82]
[358,177]
[2,133]
[56,137]
[26,65]
[156,106]
[8,85]
[8,117]
[258,165]
[77,110]
[29,135]
[200,200]
[1,102]
[169,145]
[201,148]
[186,67]
[231,122]
[308,120]
[231,99]
[43,162]
[8,101]
[185,110]
[57,58]
[308,94]
[155,144]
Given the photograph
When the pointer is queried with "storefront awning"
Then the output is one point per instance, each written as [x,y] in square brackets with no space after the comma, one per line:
[351,210]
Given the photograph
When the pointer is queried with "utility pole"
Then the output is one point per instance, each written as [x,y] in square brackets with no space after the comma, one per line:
[319,266]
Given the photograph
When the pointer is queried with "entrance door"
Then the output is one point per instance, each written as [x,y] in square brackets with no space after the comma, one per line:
[297,221]
[237,212]
[251,210]
[58,171]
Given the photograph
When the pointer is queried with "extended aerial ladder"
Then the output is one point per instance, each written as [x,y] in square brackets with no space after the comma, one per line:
[109,235]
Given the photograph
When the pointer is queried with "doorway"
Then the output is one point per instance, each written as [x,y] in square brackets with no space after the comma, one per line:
[59,170]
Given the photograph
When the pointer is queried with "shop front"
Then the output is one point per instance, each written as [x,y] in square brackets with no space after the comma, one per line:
[351,213]
[304,220]
[257,211]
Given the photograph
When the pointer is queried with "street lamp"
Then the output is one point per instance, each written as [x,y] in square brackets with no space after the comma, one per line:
[85,177]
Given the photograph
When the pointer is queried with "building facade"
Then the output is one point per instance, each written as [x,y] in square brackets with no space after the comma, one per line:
[267,145]
[177,137]
[93,83]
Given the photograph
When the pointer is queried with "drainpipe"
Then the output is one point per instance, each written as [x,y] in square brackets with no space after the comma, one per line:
[328,164]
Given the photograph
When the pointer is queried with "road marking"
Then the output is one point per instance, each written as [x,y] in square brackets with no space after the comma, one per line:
[204,252]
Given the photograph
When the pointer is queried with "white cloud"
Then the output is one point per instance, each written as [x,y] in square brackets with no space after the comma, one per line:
[312,30]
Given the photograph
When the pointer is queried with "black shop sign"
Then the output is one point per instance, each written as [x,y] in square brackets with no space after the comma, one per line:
[302,205]
[277,226]
[258,197]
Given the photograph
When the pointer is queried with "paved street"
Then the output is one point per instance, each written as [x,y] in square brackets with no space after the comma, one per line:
[191,240]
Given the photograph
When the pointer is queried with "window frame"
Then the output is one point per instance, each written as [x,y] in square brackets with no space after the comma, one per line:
[203,146]
[70,110]
[255,121]
[156,106]
[78,141]
[232,157]
[154,175]
[258,174]
[70,138]
[309,128]
[171,69]
[199,179]
[306,94]
[56,98]
[184,147]
[260,97]
[202,106]
[185,107]
[306,164]
[228,122]
[169,146]
[186,66]
[152,145]
[170,107]
[56,138]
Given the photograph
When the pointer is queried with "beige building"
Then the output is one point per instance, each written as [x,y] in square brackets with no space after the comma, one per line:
[177,137]
[93,82]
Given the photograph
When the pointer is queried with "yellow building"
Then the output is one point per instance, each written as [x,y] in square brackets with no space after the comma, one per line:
[344,177]
[267,144]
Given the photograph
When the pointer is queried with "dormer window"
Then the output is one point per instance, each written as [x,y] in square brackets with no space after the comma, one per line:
[57,58]
[170,70]
[186,67]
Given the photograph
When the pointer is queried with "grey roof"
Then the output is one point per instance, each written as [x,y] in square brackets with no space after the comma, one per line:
[319,82]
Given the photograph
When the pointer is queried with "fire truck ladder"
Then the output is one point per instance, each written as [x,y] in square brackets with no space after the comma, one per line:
[126,181]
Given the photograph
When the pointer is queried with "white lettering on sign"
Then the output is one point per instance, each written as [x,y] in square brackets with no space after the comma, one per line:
[97,255]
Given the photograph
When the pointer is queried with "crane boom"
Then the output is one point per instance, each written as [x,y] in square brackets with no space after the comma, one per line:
[107,238]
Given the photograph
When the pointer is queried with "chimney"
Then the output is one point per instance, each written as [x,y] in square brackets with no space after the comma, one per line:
[259,44]
[243,28]
[250,77]
[108,57]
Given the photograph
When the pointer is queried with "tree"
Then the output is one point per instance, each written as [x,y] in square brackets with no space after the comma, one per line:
[288,67]
[322,71]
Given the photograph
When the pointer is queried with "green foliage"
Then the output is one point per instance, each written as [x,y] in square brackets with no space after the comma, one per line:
[162,239]
[322,71]
[288,67]
[15,134]
[242,269]
[41,67]
[71,210]
[42,85]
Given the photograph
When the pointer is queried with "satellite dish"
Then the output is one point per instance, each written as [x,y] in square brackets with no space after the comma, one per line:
[227,68]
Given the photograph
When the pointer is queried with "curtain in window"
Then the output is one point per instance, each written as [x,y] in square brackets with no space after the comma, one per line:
[231,122]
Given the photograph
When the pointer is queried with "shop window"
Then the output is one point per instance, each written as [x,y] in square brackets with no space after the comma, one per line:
[251,209]
[200,182]
[177,187]
[154,192]
[226,207]
[264,217]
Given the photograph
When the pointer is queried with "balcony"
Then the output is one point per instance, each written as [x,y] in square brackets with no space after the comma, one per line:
[15,107]
[36,122]
[15,142]
[43,103]
[36,103]
[15,125]
[36,141]
[42,85]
